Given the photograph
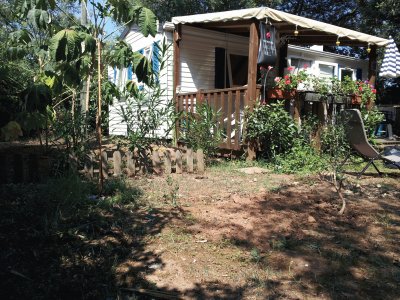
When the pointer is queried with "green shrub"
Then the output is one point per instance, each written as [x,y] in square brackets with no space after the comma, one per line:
[200,130]
[272,127]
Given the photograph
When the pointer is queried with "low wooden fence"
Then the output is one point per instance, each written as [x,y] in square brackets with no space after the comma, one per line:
[37,166]
[167,161]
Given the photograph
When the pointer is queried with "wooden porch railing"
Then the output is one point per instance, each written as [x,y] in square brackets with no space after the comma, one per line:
[228,103]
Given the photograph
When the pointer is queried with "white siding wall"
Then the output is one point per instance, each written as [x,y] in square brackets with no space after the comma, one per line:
[339,61]
[198,55]
[139,41]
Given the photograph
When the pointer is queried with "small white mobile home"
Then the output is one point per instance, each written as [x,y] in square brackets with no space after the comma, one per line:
[213,58]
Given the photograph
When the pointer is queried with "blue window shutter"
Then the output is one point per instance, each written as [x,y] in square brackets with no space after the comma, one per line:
[130,72]
[115,74]
[156,60]
[359,74]
[141,51]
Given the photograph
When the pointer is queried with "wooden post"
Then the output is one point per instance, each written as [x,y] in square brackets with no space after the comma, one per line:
[178,161]
[200,161]
[252,67]
[297,110]
[177,74]
[282,55]
[372,65]
[103,166]
[252,80]
[130,164]
[117,160]
[189,160]
[156,162]
[167,162]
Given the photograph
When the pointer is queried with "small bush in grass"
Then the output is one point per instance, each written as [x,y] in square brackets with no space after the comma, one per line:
[119,191]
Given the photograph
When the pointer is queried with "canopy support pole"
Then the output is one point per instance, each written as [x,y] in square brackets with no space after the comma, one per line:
[372,65]
[177,74]
[252,80]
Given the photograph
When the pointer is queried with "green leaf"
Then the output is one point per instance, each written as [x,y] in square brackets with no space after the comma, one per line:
[65,45]
[21,36]
[37,97]
[147,22]
[39,18]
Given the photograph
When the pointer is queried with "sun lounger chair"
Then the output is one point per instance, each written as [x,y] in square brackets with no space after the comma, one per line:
[355,132]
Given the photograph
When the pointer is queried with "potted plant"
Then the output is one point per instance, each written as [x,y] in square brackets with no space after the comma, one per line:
[286,86]
[319,90]
[350,88]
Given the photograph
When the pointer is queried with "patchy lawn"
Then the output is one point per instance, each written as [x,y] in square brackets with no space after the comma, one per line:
[224,235]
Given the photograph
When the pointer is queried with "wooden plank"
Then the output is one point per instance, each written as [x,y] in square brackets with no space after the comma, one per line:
[167,162]
[117,160]
[200,161]
[89,166]
[192,103]
[221,110]
[156,162]
[252,66]
[178,161]
[189,160]
[199,98]
[104,164]
[229,122]
[237,120]
[130,164]
[213,101]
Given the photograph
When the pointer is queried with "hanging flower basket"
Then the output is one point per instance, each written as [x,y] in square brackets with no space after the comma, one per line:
[276,93]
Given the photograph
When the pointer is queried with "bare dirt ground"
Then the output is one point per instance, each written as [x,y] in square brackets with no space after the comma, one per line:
[268,236]
[223,235]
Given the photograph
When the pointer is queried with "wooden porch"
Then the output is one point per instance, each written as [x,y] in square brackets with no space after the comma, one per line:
[228,103]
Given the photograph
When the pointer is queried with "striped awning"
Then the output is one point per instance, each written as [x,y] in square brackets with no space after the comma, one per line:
[391,61]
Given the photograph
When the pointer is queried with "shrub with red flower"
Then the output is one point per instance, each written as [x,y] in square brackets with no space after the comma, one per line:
[366,91]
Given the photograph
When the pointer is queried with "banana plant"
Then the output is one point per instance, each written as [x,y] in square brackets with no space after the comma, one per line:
[79,52]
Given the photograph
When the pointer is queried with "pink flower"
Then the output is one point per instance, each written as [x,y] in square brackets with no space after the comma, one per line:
[287,81]
[286,77]
[373,91]
[270,68]
[360,88]
[305,66]
[268,35]
[277,79]
[290,68]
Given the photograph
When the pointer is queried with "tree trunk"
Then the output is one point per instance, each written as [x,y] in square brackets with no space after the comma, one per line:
[98,117]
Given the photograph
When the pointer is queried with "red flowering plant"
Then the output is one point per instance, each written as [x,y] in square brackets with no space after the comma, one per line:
[366,91]
[291,81]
